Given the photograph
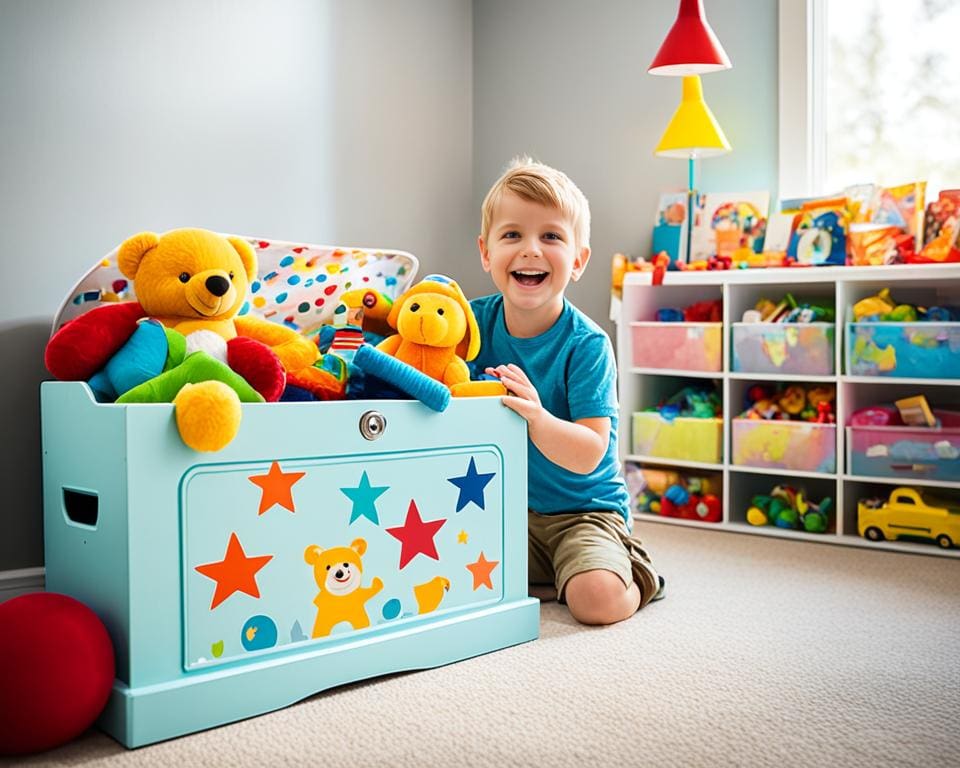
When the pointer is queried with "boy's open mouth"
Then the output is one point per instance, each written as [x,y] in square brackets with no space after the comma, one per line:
[529,276]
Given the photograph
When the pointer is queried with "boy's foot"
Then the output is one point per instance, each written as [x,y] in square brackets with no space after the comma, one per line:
[661,592]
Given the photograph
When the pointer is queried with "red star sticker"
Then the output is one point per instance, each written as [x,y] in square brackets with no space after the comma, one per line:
[277,487]
[235,573]
[416,536]
[481,571]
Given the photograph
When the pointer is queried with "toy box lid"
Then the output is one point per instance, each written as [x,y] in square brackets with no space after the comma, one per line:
[298,285]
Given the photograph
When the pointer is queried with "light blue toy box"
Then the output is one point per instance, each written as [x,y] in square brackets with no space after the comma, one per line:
[924,350]
[207,568]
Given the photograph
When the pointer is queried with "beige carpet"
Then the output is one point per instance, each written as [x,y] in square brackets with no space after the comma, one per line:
[764,653]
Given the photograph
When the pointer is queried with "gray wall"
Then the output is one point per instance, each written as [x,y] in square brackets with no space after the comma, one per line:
[326,122]
[567,83]
[358,122]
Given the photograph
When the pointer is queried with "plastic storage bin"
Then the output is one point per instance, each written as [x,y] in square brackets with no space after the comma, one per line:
[798,445]
[911,453]
[791,348]
[683,438]
[678,346]
[909,350]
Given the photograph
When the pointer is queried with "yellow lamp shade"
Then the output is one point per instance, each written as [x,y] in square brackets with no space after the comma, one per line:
[693,130]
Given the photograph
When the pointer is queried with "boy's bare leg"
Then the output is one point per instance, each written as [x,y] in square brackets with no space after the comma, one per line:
[543,592]
[599,597]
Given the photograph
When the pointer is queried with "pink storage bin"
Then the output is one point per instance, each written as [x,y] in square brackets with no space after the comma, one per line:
[780,444]
[911,453]
[678,346]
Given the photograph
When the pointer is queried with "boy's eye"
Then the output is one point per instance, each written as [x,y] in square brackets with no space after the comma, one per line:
[552,236]
[511,235]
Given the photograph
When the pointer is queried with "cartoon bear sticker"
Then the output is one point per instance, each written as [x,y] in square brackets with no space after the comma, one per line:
[338,572]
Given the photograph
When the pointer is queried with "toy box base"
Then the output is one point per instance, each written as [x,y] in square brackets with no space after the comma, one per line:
[139,716]
[328,543]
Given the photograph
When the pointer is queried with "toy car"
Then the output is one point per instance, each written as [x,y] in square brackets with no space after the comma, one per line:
[909,514]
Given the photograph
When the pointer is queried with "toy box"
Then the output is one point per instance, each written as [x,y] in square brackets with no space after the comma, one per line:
[678,346]
[780,444]
[684,438]
[206,568]
[909,350]
[792,348]
[910,453]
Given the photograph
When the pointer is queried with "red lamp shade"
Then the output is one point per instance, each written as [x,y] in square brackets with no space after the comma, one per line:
[690,47]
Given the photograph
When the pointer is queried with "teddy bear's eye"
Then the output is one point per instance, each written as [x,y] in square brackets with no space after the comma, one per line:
[184,277]
[346,565]
[328,567]
[231,275]
[440,311]
[414,307]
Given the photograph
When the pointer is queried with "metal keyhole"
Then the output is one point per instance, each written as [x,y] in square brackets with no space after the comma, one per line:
[372,425]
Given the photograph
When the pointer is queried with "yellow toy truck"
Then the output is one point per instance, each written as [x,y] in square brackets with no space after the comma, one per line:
[909,514]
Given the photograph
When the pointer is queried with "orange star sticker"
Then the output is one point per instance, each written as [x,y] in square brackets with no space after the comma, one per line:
[277,487]
[481,571]
[235,573]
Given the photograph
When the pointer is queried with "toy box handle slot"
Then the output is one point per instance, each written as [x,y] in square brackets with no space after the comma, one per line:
[81,507]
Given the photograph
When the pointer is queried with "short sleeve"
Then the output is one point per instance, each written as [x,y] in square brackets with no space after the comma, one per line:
[592,379]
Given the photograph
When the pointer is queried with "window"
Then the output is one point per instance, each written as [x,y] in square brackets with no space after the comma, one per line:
[868,93]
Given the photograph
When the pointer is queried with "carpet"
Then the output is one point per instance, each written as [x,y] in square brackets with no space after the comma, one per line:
[765,652]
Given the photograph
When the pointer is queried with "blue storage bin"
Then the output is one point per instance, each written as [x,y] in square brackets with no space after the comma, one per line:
[147,533]
[905,350]
[907,452]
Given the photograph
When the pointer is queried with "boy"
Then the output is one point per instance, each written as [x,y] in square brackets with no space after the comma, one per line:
[559,370]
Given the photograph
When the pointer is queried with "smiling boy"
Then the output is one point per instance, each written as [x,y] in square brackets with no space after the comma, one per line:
[560,373]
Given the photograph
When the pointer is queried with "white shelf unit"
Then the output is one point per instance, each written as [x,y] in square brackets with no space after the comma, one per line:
[639,388]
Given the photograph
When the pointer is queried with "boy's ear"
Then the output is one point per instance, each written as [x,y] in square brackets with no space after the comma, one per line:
[484,254]
[580,263]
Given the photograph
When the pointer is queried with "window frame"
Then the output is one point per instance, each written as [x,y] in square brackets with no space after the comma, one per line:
[802,67]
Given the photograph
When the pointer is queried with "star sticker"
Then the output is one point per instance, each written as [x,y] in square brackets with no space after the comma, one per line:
[462,537]
[481,571]
[471,485]
[363,497]
[277,487]
[416,535]
[235,573]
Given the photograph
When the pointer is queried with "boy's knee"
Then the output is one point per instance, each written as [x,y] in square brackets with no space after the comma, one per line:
[600,597]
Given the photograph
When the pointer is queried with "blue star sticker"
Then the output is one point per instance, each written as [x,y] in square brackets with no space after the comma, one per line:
[363,497]
[471,485]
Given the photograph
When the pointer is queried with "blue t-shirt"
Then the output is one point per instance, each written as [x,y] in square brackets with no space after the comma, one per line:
[573,369]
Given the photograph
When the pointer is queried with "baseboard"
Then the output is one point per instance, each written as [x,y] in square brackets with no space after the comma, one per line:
[19,582]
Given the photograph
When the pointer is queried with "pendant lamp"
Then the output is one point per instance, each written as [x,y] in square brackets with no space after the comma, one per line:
[690,47]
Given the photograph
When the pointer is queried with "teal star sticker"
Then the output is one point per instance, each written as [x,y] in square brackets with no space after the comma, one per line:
[471,485]
[363,497]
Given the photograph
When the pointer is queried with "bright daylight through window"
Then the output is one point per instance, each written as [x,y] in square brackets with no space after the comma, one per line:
[892,105]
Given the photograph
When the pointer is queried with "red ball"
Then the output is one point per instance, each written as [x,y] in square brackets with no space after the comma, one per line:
[57,667]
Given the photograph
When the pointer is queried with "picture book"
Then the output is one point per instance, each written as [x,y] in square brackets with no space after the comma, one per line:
[724,222]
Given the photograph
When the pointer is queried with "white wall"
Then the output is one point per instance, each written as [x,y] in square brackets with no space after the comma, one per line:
[566,82]
[319,121]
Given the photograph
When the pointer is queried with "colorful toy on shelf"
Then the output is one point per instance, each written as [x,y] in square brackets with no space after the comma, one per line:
[789,310]
[698,402]
[909,514]
[790,508]
[707,311]
[672,494]
[797,402]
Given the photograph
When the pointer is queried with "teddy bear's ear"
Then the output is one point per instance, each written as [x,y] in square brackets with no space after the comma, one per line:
[469,346]
[312,554]
[359,545]
[247,255]
[395,310]
[133,250]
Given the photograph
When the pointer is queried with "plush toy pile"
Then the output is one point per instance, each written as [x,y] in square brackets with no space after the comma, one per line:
[189,340]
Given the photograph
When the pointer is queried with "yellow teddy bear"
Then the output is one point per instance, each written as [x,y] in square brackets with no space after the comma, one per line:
[338,572]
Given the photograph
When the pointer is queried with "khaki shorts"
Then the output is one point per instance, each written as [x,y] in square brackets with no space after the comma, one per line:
[563,545]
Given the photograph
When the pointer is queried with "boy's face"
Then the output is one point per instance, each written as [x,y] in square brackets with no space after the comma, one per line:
[530,253]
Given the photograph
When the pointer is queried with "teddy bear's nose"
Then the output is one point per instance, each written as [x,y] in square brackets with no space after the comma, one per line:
[217,285]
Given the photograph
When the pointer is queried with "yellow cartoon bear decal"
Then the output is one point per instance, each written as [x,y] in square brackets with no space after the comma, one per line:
[338,572]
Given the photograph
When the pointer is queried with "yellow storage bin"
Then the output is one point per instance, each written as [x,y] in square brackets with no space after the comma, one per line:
[683,438]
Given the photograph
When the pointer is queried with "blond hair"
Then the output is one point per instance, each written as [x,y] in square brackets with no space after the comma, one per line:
[539,183]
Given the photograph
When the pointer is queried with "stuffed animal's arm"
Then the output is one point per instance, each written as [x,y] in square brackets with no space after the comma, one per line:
[456,372]
[391,344]
[295,351]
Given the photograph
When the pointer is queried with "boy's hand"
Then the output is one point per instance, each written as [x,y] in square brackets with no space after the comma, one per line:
[523,397]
